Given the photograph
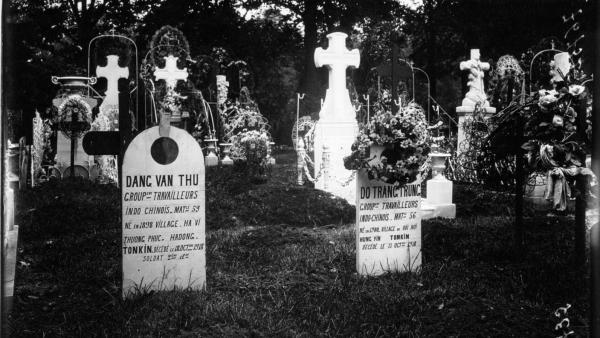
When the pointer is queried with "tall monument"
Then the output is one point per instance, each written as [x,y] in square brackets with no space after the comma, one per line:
[337,127]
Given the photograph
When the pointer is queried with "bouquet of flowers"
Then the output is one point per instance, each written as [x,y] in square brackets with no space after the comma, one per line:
[556,133]
[552,128]
[406,140]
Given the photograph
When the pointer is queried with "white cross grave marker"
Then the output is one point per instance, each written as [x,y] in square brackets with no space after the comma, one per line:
[337,58]
[337,127]
[112,73]
[171,74]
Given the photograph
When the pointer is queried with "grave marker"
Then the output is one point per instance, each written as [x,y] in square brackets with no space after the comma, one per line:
[388,225]
[171,74]
[9,248]
[337,127]
[111,142]
[163,212]
[475,97]
[112,73]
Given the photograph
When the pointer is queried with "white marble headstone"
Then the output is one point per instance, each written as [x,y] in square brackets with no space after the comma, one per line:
[388,225]
[163,213]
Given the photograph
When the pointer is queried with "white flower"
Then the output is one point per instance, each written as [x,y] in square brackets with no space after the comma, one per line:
[557,121]
[576,90]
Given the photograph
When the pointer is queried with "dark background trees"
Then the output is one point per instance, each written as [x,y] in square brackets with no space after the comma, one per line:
[276,38]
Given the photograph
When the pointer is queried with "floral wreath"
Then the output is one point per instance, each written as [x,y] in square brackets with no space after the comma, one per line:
[251,146]
[74,104]
[406,140]
[168,40]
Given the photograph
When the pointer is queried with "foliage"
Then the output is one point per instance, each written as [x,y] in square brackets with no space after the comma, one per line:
[406,139]
[168,41]
[555,132]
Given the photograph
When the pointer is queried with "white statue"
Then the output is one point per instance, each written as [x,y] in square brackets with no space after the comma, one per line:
[476,68]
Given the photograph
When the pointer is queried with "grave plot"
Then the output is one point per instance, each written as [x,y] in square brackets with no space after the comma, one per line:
[442,187]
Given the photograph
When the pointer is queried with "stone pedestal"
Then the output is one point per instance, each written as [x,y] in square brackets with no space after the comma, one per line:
[63,152]
[332,176]
[439,197]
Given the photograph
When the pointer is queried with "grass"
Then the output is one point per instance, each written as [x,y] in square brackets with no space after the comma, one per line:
[281,263]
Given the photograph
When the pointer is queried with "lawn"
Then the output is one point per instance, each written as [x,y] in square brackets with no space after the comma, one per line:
[281,263]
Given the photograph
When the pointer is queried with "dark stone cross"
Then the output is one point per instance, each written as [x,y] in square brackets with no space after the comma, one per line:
[72,125]
[112,142]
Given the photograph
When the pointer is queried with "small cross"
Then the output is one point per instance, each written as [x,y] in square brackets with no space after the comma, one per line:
[337,58]
[171,74]
[112,73]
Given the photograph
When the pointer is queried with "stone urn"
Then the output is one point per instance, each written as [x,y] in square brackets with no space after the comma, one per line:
[211,158]
[439,188]
[438,165]
[270,159]
[226,148]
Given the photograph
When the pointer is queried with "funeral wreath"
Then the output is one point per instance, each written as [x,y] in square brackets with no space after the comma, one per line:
[406,143]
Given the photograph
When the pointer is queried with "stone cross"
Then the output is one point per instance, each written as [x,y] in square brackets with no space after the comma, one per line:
[337,58]
[112,73]
[476,68]
[171,74]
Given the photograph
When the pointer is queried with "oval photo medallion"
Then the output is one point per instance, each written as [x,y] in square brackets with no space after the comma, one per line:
[164,150]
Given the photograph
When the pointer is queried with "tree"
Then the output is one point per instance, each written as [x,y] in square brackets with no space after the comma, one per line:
[319,17]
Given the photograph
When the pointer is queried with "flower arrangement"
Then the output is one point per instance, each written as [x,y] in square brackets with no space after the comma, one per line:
[556,133]
[251,145]
[247,130]
[74,116]
[107,121]
[551,130]
[406,140]
[171,104]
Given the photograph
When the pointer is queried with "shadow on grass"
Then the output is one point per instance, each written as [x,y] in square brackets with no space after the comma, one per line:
[281,262]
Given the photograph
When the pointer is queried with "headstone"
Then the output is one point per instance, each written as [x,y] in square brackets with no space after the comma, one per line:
[337,127]
[171,74]
[476,95]
[9,247]
[163,212]
[112,73]
[388,222]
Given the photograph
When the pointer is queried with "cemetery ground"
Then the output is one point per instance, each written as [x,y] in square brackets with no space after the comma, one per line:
[281,262]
